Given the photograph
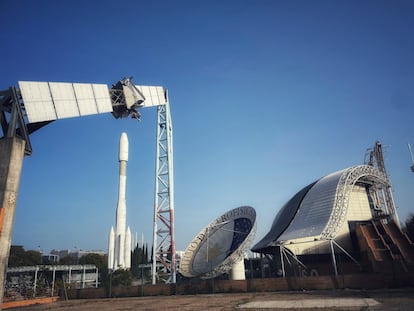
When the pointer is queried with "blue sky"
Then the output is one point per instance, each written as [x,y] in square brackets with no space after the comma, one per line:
[266,97]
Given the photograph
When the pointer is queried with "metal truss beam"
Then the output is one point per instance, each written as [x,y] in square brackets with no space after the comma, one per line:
[12,117]
[346,183]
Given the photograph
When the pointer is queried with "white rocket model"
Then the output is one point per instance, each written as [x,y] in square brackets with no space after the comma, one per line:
[119,246]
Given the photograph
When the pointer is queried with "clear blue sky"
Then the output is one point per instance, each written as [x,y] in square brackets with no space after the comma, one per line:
[266,97]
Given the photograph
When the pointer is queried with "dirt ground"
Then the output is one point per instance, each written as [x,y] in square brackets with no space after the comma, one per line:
[390,300]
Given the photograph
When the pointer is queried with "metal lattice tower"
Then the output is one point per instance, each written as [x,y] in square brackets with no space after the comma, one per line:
[163,254]
[376,159]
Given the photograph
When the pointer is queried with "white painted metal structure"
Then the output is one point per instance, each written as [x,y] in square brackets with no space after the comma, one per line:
[325,208]
[163,227]
[45,101]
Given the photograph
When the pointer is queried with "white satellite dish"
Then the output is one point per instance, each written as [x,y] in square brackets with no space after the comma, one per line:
[220,245]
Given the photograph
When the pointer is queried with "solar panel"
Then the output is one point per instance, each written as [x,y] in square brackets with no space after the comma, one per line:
[44,101]
[102,99]
[64,100]
[154,95]
[37,101]
[86,99]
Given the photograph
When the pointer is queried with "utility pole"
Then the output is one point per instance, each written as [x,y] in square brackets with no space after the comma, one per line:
[412,157]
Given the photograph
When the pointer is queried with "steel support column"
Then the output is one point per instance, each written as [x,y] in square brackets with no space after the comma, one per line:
[53,280]
[282,263]
[333,258]
[163,229]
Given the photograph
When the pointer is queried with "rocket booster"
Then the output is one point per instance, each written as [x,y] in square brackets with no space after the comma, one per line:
[123,147]
[121,207]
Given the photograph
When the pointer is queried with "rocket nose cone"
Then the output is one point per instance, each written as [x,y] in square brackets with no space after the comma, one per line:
[123,147]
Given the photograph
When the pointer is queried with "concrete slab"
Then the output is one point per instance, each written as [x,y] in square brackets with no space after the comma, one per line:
[311,303]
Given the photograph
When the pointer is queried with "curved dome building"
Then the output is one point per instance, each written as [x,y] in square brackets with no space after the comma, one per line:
[327,210]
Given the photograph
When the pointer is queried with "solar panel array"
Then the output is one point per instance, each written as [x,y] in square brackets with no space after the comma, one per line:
[45,101]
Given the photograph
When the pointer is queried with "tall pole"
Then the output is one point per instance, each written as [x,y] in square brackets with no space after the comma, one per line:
[412,157]
[155,221]
[53,280]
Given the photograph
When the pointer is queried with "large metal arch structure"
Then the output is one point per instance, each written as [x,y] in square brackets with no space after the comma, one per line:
[347,181]
[35,104]
[319,210]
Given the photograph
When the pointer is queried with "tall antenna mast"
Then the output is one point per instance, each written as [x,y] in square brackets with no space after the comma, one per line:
[412,158]
[376,159]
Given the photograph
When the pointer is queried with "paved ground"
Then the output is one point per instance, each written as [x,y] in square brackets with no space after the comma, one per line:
[390,300]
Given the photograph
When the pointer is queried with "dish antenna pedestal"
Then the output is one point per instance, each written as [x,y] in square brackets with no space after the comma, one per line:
[237,271]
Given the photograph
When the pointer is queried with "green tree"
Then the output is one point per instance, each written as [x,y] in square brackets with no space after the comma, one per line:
[121,277]
[146,260]
[19,257]
[68,260]
[137,258]
[16,257]
[100,261]
[33,257]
